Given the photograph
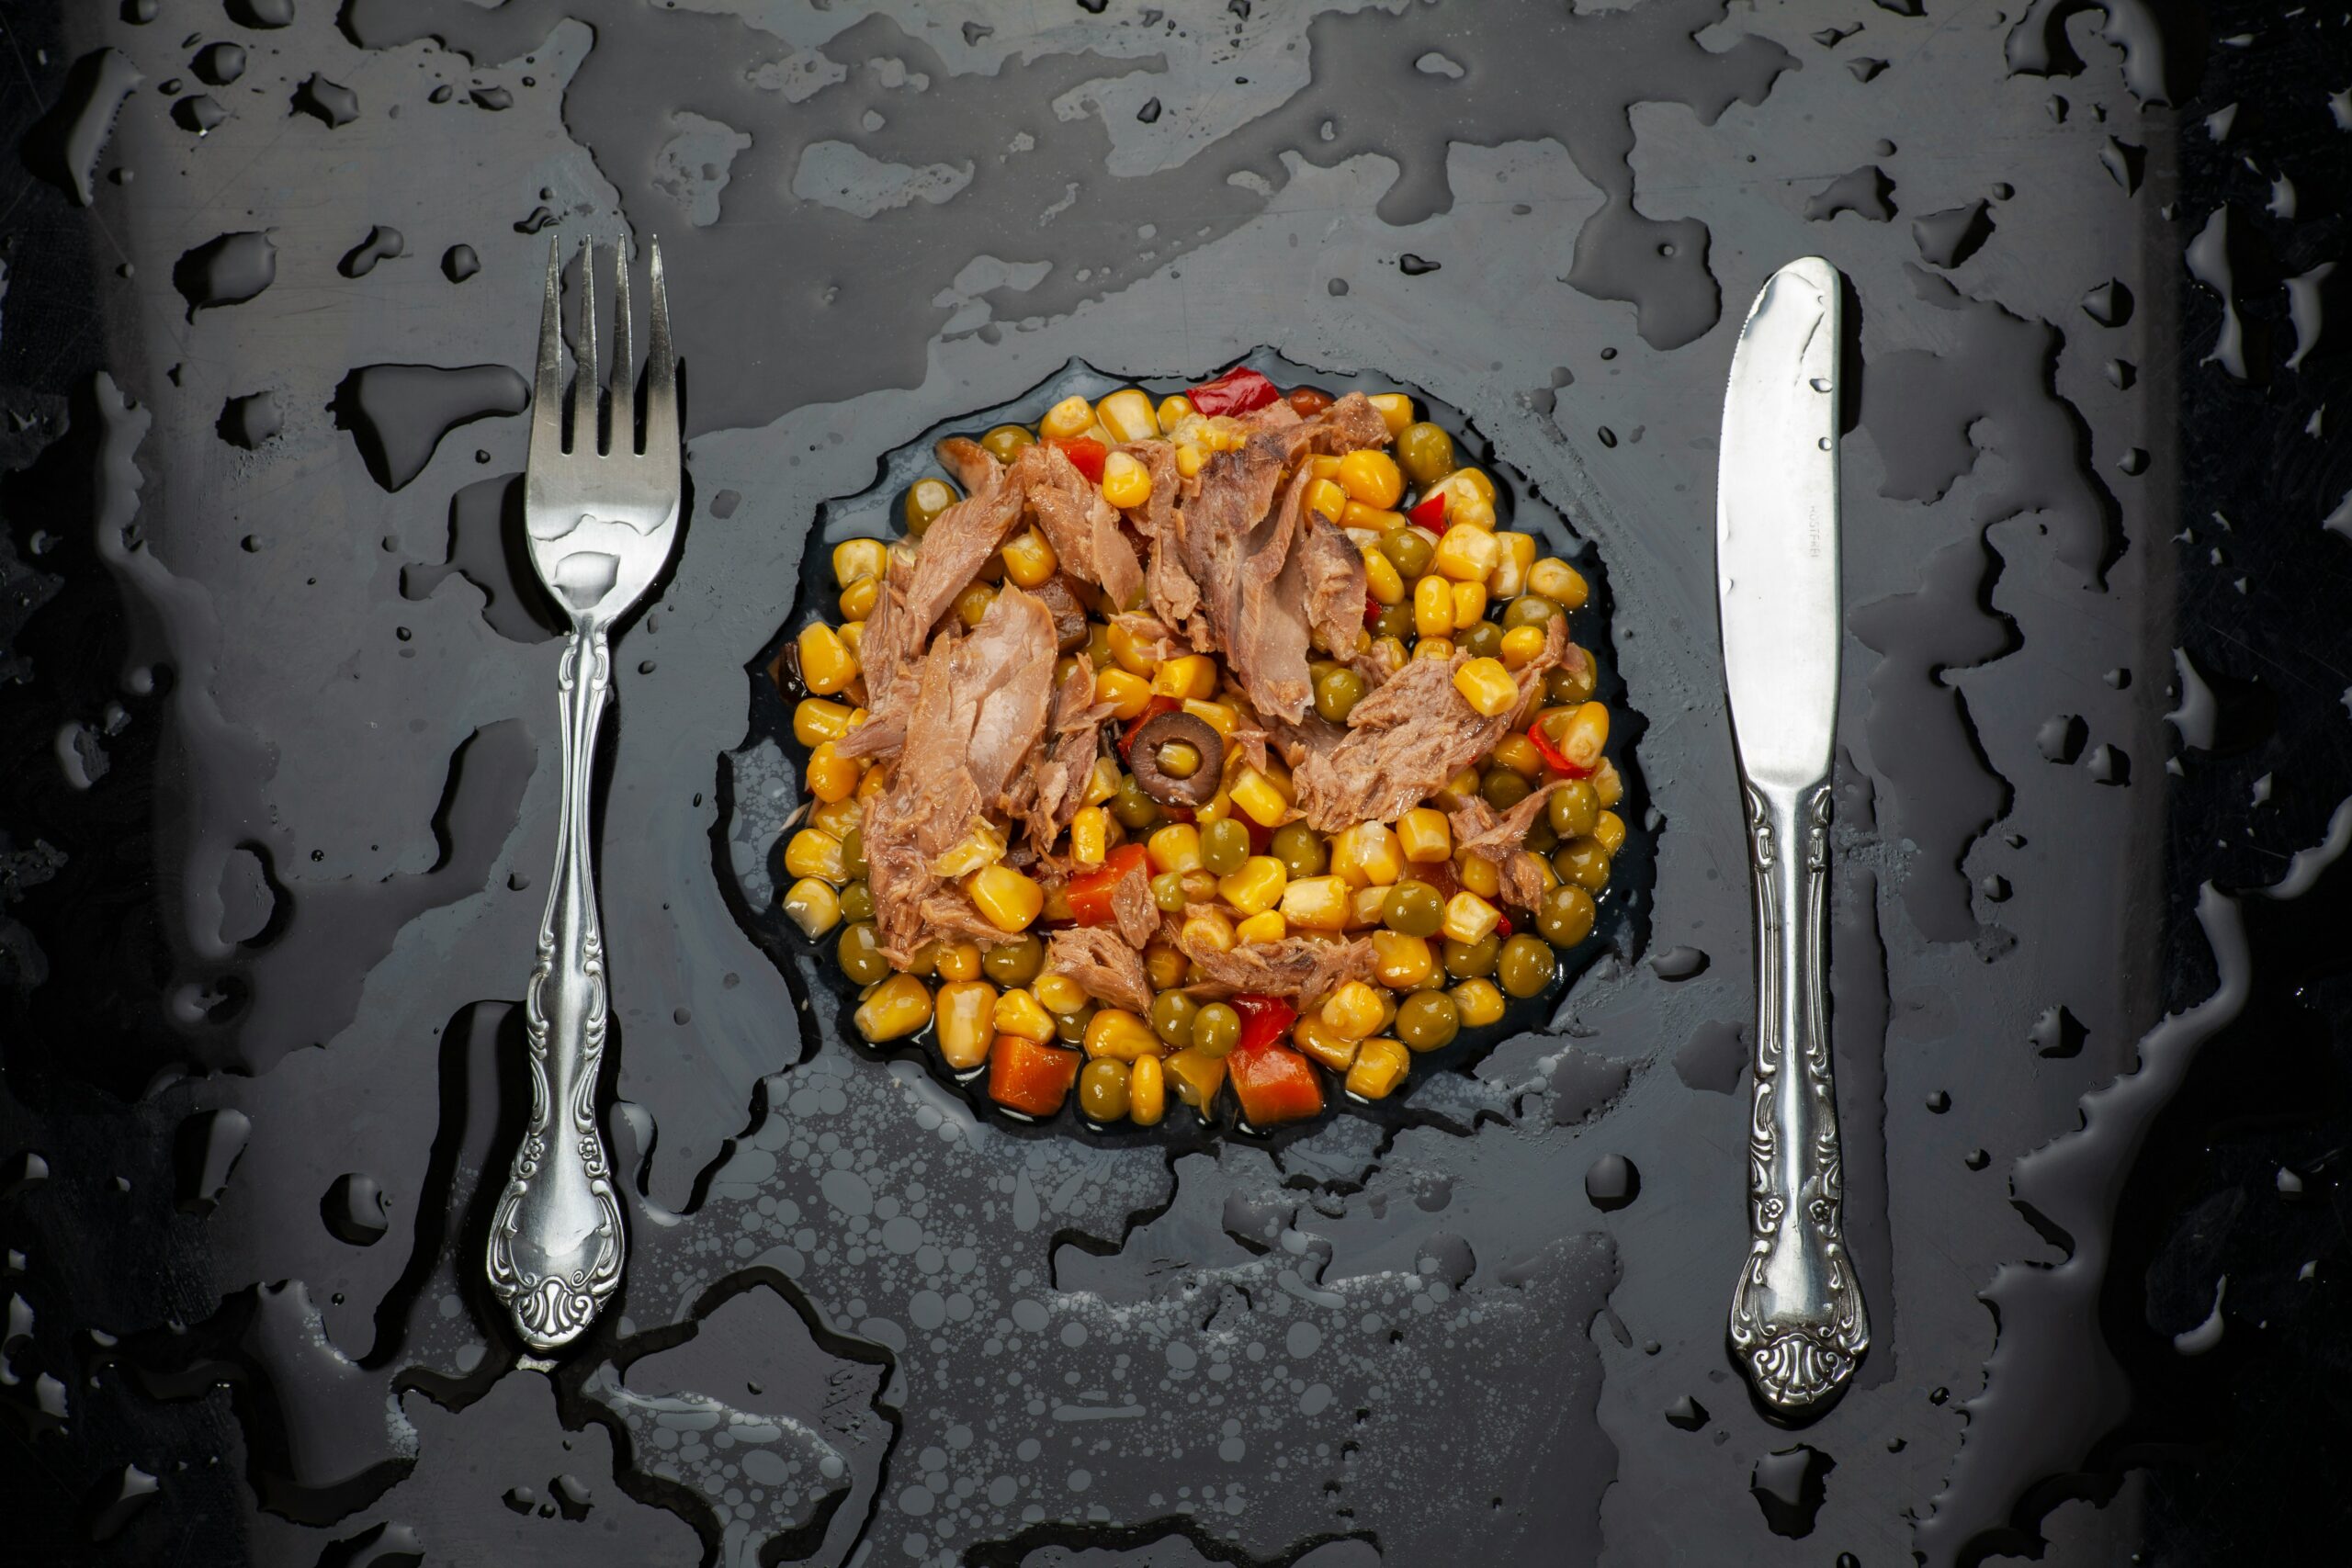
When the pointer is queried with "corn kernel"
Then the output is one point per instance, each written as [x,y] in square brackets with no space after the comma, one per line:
[813,906]
[1187,676]
[1008,898]
[877,780]
[1425,836]
[831,775]
[1196,1077]
[982,846]
[973,604]
[1401,962]
[1127,693]
[1380,1065]
[852,636]
[965,1011]
[1019,1012]
[1558,582]
[1147,1093]
[1368,855]
[1116,1033]
[1029,559]
[1466,554]
[857,601]
[855,558]
[1457,789]
[1066,419]
[1323,1043]
[1131,652]
[1518,754]
[1371,519]
[1267,926]
[1089,835]
[1316,903]
[1104,782]
[1487,686]
[1173,411]
[1466,501]
[1189,459]
[1583,733]
[1256,796]
[814,852]
[1610,829]
[1510,579]
[1468,917]
[1380,576]
[1432,607]
[1218,716]
[1325,497]
[1128,415]
[1257,886]
[1126,483]
[1440,647]
[1608,784]
[1396,411]
[1480,1002]
[1372,476]
[1478,874]
[1176,848]
[893,1010]
[1164,965]
[1209,929]
[1469,604]
[1058,993]
[815,719]
[1355,1010]
[1222,433]
[956,961]
[1520,646]
[1219,807]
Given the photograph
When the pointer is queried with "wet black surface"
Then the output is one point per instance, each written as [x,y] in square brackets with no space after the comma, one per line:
[278,797]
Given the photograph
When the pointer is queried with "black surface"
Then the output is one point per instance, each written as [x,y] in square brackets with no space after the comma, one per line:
[277,793]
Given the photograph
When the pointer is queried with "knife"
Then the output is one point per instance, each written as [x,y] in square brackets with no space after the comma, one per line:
[1797,1328]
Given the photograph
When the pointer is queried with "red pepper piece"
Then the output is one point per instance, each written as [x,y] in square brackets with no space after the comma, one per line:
[1372,608]
[1273,1083]
[1151,710]
[1090,895]
[1502,924]
[1429,512]
[1264,1019]
[1085,453]
[1238,390]
[1554,758]
[1262,838]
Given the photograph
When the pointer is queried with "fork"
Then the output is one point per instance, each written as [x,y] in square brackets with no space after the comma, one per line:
[601,525]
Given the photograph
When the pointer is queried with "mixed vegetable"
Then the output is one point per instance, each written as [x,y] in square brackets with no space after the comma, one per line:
[1225,837]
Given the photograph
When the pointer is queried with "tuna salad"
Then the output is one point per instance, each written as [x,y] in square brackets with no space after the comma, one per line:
[1218,744]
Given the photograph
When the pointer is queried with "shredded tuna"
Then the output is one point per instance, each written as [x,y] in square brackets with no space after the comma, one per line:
[1059,592]
[1293,967]
[1332,570]
[1103,966]
[892,645]
[1082,527]
[1503,841]
[1132,906]
[961,539]
[1169,587]
[1057,779]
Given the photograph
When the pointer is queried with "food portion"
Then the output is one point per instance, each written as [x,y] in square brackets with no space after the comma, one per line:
[1218,745]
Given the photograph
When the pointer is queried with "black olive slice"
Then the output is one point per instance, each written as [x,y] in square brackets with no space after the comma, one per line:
[1143,758]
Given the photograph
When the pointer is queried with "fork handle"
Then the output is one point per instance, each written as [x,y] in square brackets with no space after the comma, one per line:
[556,1245]
[1797,1324]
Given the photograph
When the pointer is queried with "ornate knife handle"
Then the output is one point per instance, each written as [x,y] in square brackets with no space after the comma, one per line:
[1797,1324]
[556,1245]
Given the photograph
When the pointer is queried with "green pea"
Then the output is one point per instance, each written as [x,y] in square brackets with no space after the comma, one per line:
[1216,1030]
[857,902]
[1069,1028]
[1529,610]
[853,854]
[1135,809]
[1472,960]
[1570,683]
[1412,909]
[1427,1020]
[1408,550]
[1504,788]
[1484,640]
[1394,620]
[1524,965]
[1337,695]
[1172,1018]
[1225,844]
[1015,962]
[860,952]
[1425,452]
[1102,1090]
[1540,837]
[1583,862]
[926,498]
[1572,810]
[925,962]
[1301,849]
[1168,892]
[1565,915]
[1005,442]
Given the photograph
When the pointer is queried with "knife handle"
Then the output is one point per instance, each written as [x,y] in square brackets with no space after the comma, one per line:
[556,1241]
[1798,1327]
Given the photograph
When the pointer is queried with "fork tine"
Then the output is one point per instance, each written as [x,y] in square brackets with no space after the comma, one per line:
[624,358]
[660,374]
[547,404]
[583,380]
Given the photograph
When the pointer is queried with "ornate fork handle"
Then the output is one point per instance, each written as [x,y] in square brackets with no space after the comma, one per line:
[556,1245]
[1797,1322]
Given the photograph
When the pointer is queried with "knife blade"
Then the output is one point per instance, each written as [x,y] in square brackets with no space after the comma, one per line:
[1797,1324]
